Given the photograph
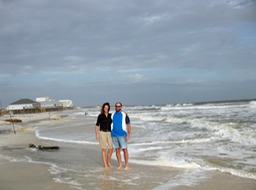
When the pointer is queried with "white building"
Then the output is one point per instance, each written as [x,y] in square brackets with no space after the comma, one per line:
[67,103]
[23,104]
[51,104]
[44,99]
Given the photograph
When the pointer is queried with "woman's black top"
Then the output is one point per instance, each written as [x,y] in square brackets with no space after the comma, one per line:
[104,122]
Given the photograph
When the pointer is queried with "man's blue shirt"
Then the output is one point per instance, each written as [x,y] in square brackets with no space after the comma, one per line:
[119,124]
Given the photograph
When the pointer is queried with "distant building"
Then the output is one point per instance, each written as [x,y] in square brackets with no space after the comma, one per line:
[67,103]
[48,103]
[41,104]
[44,99]
[24,105]
[51,104]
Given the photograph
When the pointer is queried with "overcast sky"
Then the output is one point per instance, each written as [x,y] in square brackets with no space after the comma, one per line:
[134,51]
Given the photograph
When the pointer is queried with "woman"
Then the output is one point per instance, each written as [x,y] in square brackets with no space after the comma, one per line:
[103,134]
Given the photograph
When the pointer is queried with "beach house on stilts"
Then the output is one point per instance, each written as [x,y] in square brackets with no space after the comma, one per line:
[24,106]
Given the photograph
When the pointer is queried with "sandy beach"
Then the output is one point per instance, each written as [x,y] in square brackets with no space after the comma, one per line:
[20,168]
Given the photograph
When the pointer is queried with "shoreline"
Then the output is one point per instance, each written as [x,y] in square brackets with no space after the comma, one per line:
[31,175]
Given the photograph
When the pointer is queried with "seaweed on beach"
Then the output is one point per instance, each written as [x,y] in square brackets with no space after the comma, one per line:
[13,120]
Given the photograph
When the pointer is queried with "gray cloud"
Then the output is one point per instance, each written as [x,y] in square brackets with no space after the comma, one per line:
[85,44]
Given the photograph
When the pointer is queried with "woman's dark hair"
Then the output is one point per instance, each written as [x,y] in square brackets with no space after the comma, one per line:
[105,104]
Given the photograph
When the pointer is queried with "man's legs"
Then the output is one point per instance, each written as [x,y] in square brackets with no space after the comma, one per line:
[126,157]
[118,156]
[116,145]
[121,143]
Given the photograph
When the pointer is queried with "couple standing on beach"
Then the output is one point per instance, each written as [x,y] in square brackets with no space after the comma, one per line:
[113,130]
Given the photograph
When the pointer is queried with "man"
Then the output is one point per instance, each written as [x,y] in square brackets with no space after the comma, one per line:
[103,125]
[120,131]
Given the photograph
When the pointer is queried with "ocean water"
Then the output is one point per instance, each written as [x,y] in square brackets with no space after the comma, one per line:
[192,138]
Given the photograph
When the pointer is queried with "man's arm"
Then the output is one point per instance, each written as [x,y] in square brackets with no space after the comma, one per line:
[128,122]
[128,131]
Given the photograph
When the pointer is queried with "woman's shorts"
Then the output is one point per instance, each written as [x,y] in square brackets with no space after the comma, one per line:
[105,140]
